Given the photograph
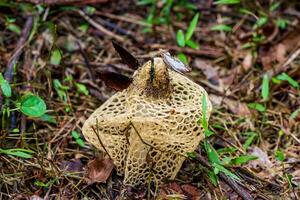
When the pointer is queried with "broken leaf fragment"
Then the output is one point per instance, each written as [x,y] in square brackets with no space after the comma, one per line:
[99,170]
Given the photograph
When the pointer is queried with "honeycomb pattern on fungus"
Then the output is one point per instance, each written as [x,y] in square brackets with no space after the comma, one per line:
[149,127]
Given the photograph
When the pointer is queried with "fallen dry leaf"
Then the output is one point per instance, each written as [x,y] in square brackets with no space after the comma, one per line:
[99,170]
[237,107]
[280,53]
[247,62]
[191,191]
[215,100]
[35,197]
[209,71]
[169,190]
[74,165]
[269,55]
[263,159]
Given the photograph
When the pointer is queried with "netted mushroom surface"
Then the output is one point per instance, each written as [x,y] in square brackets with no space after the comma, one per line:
[147,131]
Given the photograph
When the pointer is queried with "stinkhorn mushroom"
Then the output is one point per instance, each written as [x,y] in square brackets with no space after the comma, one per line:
[147,128]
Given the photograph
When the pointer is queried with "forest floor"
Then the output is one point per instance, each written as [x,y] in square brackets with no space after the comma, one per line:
[245,54]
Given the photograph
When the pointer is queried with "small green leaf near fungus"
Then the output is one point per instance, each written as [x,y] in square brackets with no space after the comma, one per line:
[5,86]
[180,38]
[257,106]
[55,57]
[265,87]
[32,105]
[221,27]
[192,27]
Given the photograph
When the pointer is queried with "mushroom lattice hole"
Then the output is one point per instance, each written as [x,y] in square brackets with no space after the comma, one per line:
[149,127]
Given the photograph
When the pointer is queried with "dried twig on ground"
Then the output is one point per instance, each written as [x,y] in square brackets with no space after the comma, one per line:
[19,49]
[100,27]
[285,65]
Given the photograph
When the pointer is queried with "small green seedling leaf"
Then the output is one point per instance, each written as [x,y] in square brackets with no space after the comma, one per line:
[211,153]
[191,155]
[219,168]
[290,80]
[227,2]
[276,80]
[289,179]
[15,130]
[55,57]
[274,6]
[246,11]
[80,142]
[226,150]
[90,10]
[265,87]
[295,113]
[60,89]
[48,118]
[204,111]
[257,106]
[82,89]
[75,134]
[219,126]
[249,140]
[14,28]
[22,153]
[19,154]
[226,160]
[248,45]
[32,105]
[45,185]
[192,44]
[256,38]
[279,155]
[221,27]
[192,26]
[41,184]
[77,138]
[84,27]
[145,2]
[260,22]
[281,23]
[182,58]
[5,86]
[180,38]
[242,159]
[208,133]
[213,178]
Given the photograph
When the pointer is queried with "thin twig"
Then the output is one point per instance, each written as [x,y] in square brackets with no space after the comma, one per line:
[284,66]
[100,27]
[125,18]
[96,131]
[19,49]
[87,62]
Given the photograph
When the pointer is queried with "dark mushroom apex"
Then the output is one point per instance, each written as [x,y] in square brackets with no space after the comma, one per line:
[152,80]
